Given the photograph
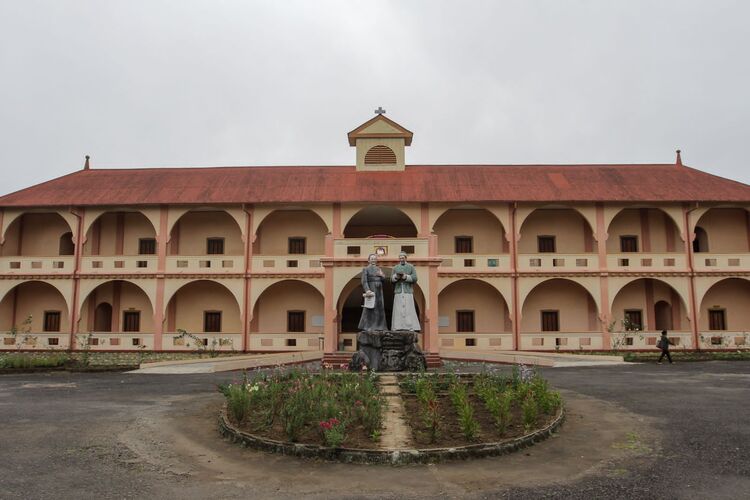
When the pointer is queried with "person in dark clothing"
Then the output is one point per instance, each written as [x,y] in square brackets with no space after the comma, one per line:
[663,344]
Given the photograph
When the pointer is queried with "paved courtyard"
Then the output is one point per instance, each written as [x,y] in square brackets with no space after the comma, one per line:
[633,431]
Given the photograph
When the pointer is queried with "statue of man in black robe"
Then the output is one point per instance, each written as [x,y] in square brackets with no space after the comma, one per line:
[373,312]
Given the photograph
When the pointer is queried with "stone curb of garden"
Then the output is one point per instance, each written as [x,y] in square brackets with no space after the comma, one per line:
[385,456]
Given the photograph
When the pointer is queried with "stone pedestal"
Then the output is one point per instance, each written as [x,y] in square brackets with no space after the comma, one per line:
[388,352]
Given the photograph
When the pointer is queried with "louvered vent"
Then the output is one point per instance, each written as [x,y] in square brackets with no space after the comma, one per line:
[380,155]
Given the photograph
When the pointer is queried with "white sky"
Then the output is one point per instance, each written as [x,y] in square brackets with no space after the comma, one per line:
[188,83]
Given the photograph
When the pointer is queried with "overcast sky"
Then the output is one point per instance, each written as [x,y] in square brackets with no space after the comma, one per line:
[188,83]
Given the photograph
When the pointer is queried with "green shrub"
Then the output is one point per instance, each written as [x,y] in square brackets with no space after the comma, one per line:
[460,399]
[530,412]
[238,401]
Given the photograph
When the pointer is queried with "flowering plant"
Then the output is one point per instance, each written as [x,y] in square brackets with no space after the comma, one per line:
[333,432]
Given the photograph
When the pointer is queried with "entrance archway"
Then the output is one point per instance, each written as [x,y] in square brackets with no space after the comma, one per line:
[350,303]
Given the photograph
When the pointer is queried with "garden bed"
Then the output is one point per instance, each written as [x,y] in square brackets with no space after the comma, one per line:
[450,410]
[326,409]
[338,416]
[725,355]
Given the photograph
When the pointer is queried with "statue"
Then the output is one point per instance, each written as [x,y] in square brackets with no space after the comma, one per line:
[379,349]
[404,313]
[373,312]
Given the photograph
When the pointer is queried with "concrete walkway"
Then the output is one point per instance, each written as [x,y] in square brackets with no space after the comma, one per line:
[549,359]
[396,434]
[225,364]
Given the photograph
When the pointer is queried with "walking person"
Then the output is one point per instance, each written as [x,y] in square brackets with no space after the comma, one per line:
[663,344]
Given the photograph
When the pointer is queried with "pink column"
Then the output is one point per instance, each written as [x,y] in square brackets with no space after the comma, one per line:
[79,214]
[691,275]
[514,279]
[605,315]
[431,326]
[161,266]
[247,314]
[330,330]
[330,312]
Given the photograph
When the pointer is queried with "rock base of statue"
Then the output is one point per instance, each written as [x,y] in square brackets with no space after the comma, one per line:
[388,352]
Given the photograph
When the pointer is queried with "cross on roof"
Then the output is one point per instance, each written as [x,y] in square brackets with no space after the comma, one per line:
[380,111]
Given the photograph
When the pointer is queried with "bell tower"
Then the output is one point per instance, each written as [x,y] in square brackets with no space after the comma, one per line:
[380,144]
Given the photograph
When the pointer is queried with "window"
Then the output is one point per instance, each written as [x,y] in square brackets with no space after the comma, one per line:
[146,246]
[295,321]
[628,243]
[352,250]
[550,321]
[633,320]
[66,244]
[297,245]
[131,321]
[291,342]
[464,321]
[212,321]
[51,321]
[470,342]
[464,244]
[215,246]
[717,319]
[546,244]
[409,249]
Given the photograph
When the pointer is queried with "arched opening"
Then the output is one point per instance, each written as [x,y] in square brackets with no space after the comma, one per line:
[350,303]
[700,242]
[649,305]
[117,306]
[203,306]
[380,220]
[120,233]
[559,305]
[481,227]
[35,306]
[67,246]
[103,317]
[206,233]
[647,230]
[473,313]
[728,228]
[663,315]
[724,307]
[556,230]
[289,232]
[278,309]
[37,235]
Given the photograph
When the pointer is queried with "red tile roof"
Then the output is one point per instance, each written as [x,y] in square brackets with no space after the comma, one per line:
[447,183]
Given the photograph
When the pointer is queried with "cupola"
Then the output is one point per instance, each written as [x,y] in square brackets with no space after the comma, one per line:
[380,143]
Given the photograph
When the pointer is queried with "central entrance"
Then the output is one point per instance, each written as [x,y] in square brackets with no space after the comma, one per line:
[350,307]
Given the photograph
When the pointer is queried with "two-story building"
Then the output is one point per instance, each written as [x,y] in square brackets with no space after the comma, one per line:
[509,257]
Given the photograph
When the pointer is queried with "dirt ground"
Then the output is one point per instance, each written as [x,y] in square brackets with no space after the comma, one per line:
[125,436]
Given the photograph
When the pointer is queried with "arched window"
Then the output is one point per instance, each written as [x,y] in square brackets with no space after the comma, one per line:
[700,243]
[380,155]
[66,244]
